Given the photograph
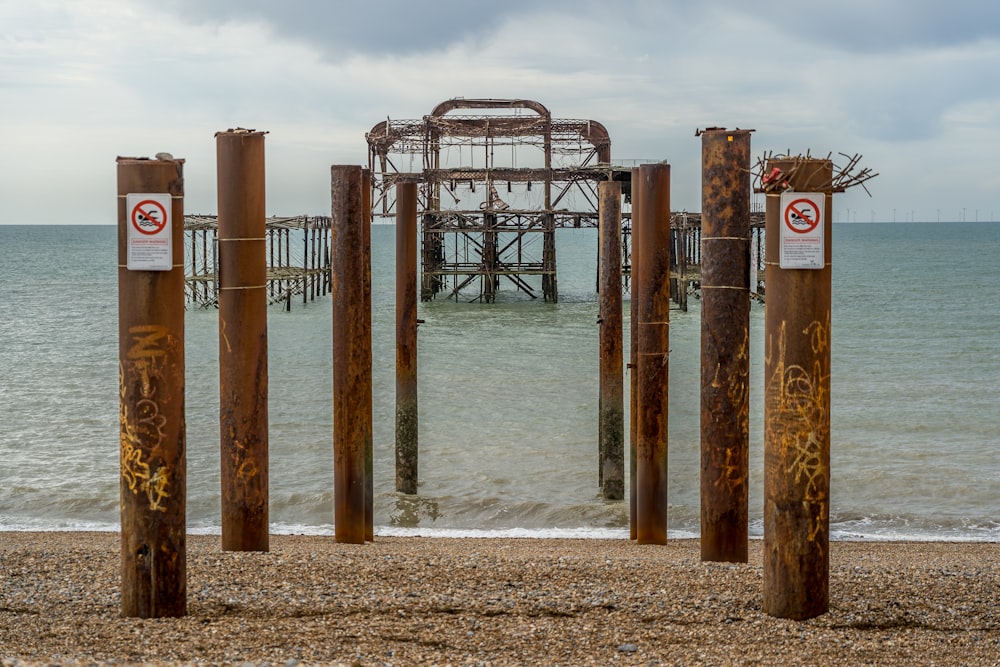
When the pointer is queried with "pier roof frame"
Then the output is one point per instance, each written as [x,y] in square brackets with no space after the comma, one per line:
[573,151]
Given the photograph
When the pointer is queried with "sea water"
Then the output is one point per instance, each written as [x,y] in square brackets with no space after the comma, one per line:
[508,395]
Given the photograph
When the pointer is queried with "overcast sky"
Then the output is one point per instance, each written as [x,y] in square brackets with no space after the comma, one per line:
[913,85]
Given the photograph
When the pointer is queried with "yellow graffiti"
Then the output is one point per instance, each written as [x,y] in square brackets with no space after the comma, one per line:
[739,383]
[737,391]
[730,477]
[798,418]
[247,470]
[145,356]
[135,469]
[146,340]
[142,430]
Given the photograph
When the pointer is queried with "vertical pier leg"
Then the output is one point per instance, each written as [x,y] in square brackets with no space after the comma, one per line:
[366,244]
[352,358]
[550,281]
[151,390]
[797,411]
[725,344]
[406,338]
[633,365]
[242,340]
[651,247]
[611,403]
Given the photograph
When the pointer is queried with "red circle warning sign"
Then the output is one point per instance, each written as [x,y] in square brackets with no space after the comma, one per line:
[802,216]
[148,216]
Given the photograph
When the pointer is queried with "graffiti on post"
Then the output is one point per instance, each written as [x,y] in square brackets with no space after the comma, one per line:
[798,418]
[142,431]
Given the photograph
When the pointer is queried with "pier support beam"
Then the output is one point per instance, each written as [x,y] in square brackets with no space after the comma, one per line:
[367,387]
[611,403]
[633,363]
[725,344]
[651,278]
[797,409]
[243,379]
[406,338]
[151,390]
[352,354]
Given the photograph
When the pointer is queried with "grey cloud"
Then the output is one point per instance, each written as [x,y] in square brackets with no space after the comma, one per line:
[407,26]
[372,27]
[879,27]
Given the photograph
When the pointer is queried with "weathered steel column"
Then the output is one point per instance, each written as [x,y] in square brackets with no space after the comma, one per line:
[611,403]
[151,388]
[633,363]
[242,340]
[797,409]
[651,277]
[366,230]
[352,355]
[406,338]
[725,344]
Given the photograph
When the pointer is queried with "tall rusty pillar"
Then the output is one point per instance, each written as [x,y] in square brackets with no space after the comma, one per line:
[242,340]
[633,352]
[725,344]
[797,398]
[366,245]
[352,354]
[406,338]
[151,387]
[651,250]
[611,403]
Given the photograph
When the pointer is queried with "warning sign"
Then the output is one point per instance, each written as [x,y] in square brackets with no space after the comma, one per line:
[149,243]
[802,226]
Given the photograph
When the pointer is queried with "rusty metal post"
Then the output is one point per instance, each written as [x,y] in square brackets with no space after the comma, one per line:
[406,338]
[633,352]
[651,248]
[797,411]
[242,340]
[725,344]
[151,390]
[611,403]
[366,245]
[352,358]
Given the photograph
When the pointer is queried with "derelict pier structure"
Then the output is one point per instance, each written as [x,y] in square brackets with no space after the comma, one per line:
[297,251]
[496,178]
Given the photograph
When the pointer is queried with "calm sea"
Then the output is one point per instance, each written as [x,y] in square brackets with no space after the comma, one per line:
[508,396]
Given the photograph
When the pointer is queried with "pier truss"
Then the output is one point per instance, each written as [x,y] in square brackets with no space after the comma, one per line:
[496,179]
[298,259]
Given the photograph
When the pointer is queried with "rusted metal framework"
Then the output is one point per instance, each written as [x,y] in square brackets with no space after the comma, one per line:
[496,178]
[297,255]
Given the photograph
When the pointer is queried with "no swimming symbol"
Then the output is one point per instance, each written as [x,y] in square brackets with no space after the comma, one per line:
[802,216]
[149,217]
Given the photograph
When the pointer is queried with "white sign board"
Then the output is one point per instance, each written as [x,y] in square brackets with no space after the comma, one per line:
[148,220]
[802,226]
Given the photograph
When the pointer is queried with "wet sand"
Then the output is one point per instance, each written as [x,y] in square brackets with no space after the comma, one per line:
[438,601]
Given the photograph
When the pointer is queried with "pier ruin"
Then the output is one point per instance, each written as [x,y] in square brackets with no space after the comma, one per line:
[496,178]
[298,259]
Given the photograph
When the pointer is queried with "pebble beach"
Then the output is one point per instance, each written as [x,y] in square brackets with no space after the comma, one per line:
[465,601]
